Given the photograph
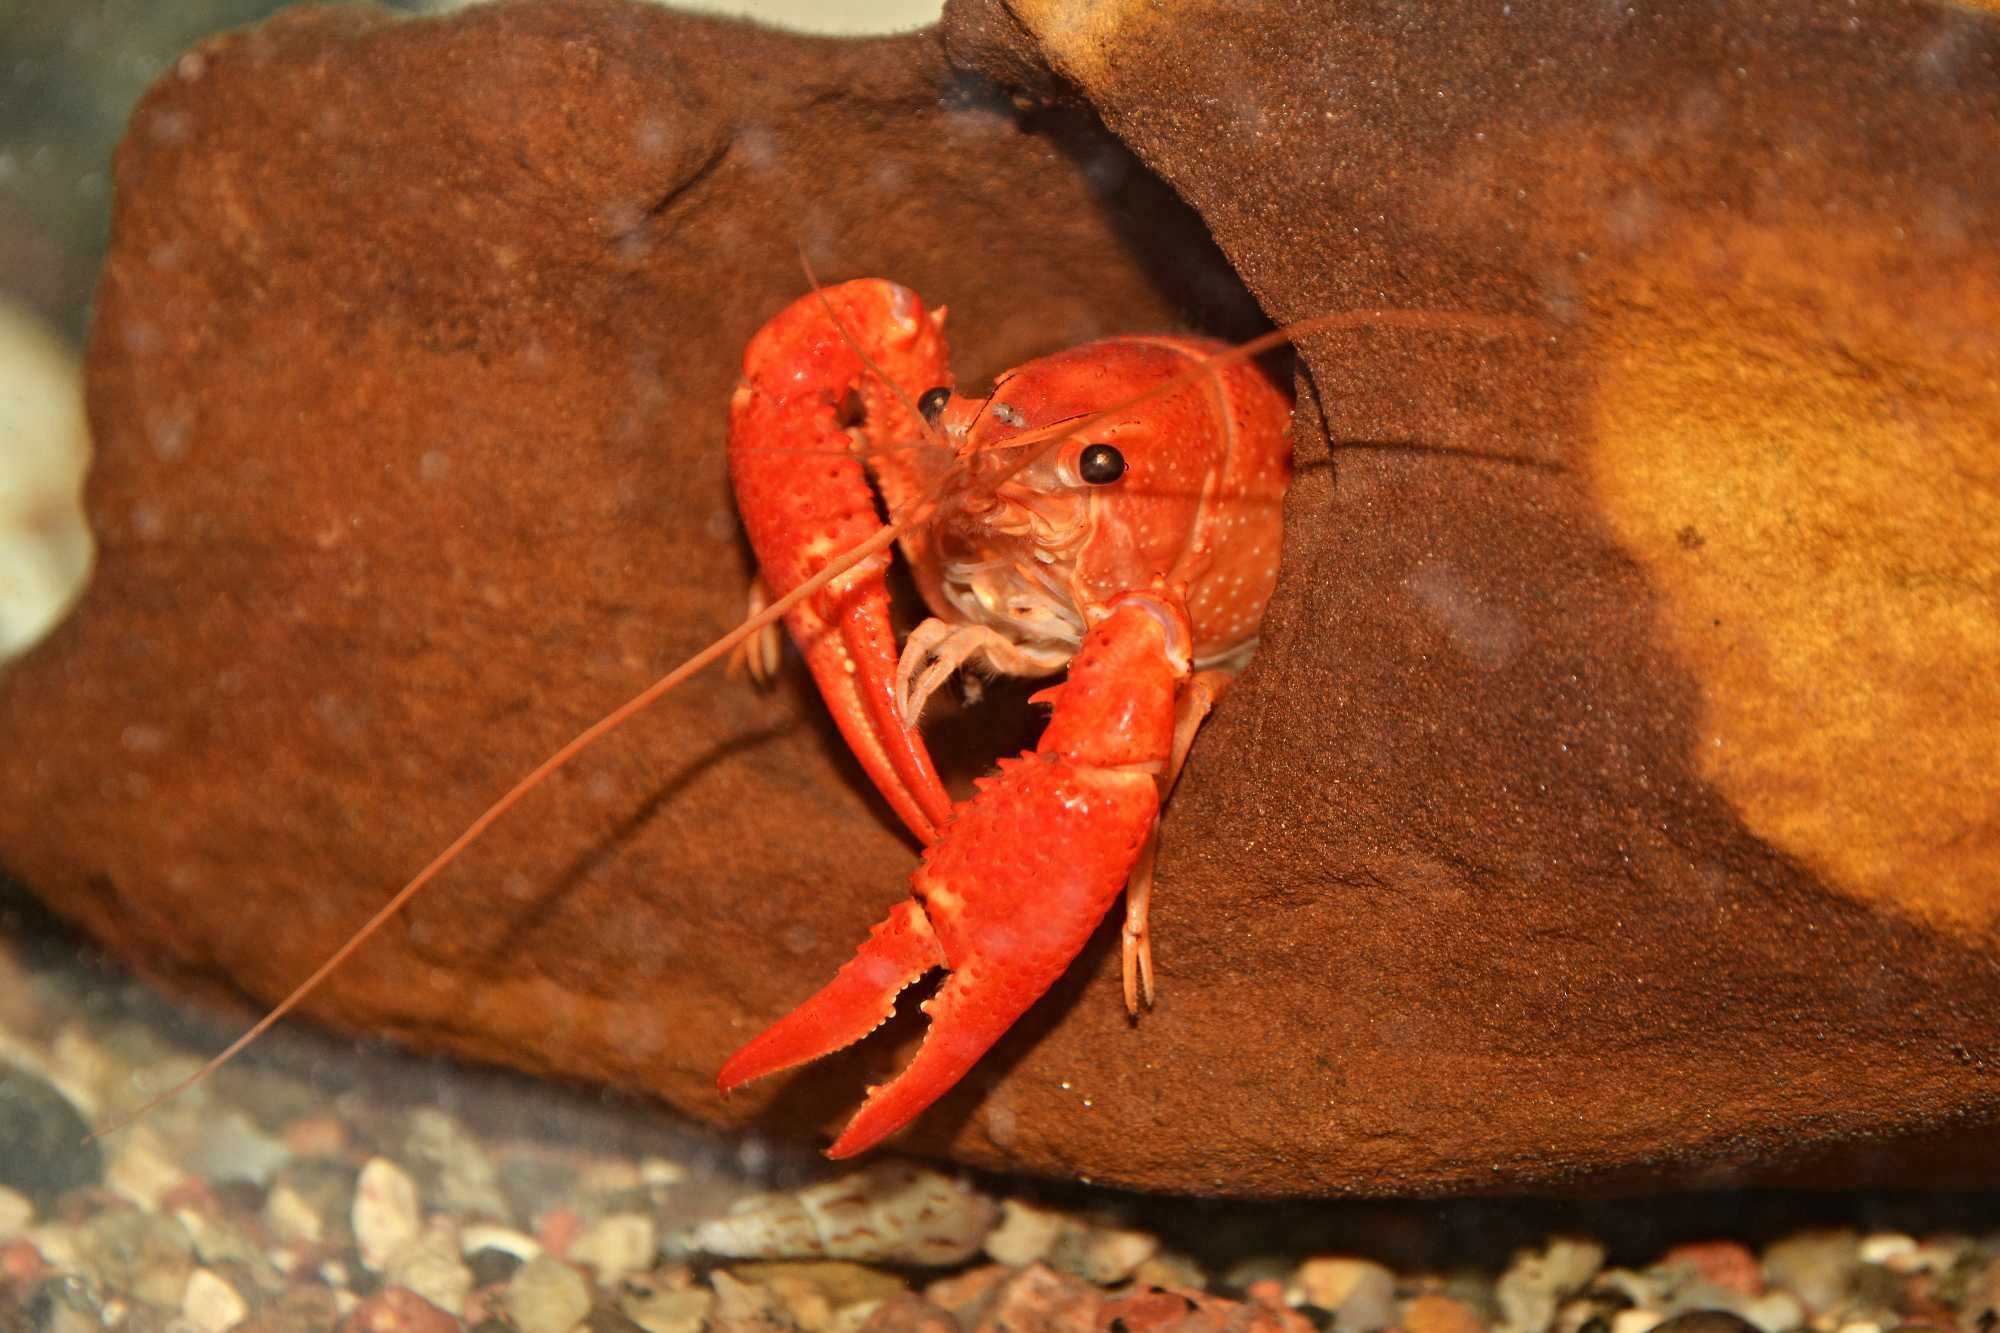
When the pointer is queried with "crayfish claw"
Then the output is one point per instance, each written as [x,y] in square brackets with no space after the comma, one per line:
[860,998]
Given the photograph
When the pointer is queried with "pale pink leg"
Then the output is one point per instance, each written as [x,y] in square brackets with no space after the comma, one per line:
[759,656]
[1197,697]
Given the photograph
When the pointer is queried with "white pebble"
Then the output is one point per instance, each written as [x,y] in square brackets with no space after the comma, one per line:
[1887,1248]
[680,1310]
[1359,1294]
[491,1236]
[44,545]
[143,1170]
[17,1213]
[1111,1254]
[1026,1234]
[232,1147]
[889,1212]
[1774,1312]
[1635,1321]
[56,1243]
[619,1244]
[211,1304]
[659,1173]
[291,1217]
[430,1267]
[385,1212]
[547,1296]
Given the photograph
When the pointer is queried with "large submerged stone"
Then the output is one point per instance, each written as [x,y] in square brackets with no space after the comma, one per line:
[1606,806]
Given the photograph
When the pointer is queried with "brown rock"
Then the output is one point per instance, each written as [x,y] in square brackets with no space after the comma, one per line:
[1609,802]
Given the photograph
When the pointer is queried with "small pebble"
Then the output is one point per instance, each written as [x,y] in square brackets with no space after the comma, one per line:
[430,1266]
[842,1283]
[47,1148]
[17,1213]
[490,1267]
[616,1245]
[65,1304]
[211,1304]
[887,1212]
[309,1200]
[217,1240]
[659,1308]
[547,1296]
[314,1136]
[1026,1233]
[232,1147]
[1721,1263]
[1636,1320]
[142,1169]
[56,1243]
[910,1313]
[1774,1312]
[1816,1266]
[385,1213]
[533,1184]
[1705,1321]
[396,1310]
[1886,1248]
[1434,1313]
[1537,1280]
[1359,1294]
[558,1229]
[657,1173]
[458,1175]
[20,1264]
[747,1307]
[486,1236]
[1109,1255]
[144,1254]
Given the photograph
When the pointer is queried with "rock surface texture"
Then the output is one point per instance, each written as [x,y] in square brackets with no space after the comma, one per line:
[1609,803]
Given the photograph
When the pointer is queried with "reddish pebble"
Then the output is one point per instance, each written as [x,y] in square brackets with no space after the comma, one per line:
[1441,1314]
[194,1195]
[1175,1310]
[1721,1263]
[398,1310]
[21,1263]
[909,1313]
[314,1136]
[558,1229]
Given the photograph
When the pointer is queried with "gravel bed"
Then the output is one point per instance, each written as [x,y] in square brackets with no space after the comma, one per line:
[320,1186]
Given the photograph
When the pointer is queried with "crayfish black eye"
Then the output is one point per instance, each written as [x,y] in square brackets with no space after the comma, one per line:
[932,403]
[1100,464]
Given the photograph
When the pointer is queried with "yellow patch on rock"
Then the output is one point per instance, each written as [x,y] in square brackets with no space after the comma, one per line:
[1797,436]
[1081,39]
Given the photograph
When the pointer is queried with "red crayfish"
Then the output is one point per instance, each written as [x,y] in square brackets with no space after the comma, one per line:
[1135,546]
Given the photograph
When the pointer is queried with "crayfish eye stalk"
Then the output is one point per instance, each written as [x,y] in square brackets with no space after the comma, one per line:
[932,404]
